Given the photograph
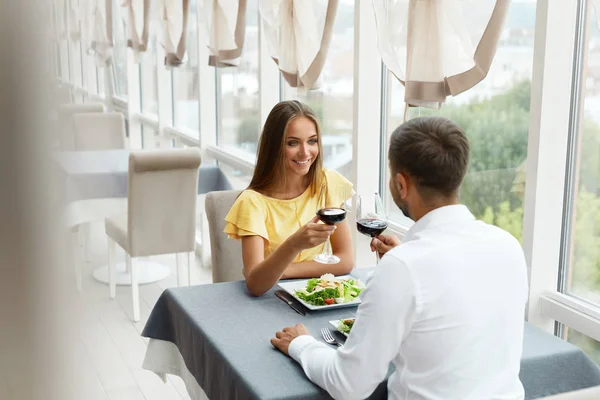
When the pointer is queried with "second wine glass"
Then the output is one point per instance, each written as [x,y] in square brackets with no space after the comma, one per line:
[371,219]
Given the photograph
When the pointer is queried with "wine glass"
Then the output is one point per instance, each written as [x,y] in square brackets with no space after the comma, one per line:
[330,211]
[370,216]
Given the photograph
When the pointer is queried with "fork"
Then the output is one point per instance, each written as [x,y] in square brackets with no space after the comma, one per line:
[328,337]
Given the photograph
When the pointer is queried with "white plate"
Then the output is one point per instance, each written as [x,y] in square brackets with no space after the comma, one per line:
[335,324]
[291,288]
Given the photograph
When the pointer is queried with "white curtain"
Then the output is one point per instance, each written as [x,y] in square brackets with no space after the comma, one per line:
[298,34]
[173,16]
[138,15]
[438,48]
[100,31]
[225,23]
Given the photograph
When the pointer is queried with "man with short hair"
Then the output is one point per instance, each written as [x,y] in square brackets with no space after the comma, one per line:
[446,306]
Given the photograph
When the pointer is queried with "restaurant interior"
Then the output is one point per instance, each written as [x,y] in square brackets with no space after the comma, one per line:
[157,111]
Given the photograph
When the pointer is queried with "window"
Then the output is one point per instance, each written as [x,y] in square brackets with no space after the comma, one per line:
[185,80]
[590,346]
[150,139]
[119,64]
[238,103]
[76,71]
[100,80]
[64,60]
[149,79]
[495,117]
[333,102]
[581,231]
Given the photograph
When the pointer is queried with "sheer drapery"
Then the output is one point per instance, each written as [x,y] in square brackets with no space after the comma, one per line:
[101,32]
[438,48]
[298,34]
[225,23]
[173,15]
[138,14]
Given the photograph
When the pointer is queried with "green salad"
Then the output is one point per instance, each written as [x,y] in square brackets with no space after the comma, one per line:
[328,290]
[345,325]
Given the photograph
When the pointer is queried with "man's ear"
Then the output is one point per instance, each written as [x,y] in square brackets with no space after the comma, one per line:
[402,181]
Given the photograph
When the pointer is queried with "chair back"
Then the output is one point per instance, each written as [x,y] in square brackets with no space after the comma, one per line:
[98,131]
[65,115]
[226,253]
[161,202]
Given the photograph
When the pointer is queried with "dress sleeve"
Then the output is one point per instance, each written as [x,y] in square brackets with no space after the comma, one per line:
[247,217]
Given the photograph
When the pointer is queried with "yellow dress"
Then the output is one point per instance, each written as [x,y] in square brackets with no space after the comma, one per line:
[254,214]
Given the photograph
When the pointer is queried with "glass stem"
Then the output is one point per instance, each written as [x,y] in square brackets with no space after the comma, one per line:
[377,258]
[327,249]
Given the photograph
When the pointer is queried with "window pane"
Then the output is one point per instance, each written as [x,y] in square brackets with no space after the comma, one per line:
[495,117]
[119,64]
[76,63]
[584,270]
[238,179]
[333,102]
[590,346]
[186,79]
[148,79]
[149,137]
[239,111]
[100,80]
[64,60]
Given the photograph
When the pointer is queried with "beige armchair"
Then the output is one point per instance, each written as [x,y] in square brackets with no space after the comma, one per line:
[161,213]
[226,253]
[98,131]
[65,114]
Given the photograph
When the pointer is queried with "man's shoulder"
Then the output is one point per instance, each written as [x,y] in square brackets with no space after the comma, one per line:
[469,236]
[495,233]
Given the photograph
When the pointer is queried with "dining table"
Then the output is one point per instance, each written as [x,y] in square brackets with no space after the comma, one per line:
[216,337]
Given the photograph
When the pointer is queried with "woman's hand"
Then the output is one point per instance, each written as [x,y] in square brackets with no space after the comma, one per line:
[311,235]
[384,243]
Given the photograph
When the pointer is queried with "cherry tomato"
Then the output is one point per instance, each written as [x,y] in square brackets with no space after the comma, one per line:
[329,301]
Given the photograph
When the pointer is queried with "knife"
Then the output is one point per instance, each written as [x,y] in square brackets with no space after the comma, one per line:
[284,296]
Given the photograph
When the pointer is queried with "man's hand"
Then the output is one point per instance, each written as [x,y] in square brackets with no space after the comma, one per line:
[282,339]
[384,243]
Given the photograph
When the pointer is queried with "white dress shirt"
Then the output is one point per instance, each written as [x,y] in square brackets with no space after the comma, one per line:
[446,307]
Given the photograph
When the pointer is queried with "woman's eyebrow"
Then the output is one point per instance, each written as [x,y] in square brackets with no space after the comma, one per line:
[293,137]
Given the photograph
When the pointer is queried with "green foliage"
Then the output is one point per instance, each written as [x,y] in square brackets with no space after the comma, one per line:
[586,244]
[497,129]
[249,129]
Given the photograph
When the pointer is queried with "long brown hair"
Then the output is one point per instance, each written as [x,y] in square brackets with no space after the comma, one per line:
[270,169]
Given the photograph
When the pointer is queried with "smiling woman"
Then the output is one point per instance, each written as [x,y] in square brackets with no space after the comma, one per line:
[275,217]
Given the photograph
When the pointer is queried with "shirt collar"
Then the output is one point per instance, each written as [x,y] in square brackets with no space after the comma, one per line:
[439,216]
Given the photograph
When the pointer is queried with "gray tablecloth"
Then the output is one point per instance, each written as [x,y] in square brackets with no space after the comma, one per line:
[223,336]
[103,174]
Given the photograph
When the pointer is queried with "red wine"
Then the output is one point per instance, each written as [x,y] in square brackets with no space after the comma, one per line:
[331,216]
[371,227]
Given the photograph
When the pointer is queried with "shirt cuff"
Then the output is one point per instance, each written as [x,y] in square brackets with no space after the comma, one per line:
[298,345]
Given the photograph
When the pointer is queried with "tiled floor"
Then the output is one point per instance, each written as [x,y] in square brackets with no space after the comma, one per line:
[108,354]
